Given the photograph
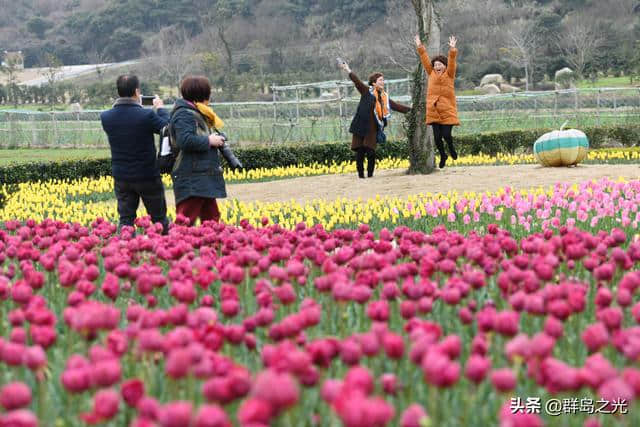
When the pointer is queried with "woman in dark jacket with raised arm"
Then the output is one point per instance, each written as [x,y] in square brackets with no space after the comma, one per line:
[372,115]
[197,174]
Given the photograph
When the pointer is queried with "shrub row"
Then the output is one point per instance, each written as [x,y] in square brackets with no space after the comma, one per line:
[254,158]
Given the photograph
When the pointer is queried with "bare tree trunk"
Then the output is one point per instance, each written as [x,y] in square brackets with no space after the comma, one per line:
[421,153]
[227,47]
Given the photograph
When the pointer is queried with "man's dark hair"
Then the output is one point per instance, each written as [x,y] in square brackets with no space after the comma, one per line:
[440,58]
[127,85]
[195,89]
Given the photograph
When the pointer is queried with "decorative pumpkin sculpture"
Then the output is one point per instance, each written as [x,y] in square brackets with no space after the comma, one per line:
[561,147]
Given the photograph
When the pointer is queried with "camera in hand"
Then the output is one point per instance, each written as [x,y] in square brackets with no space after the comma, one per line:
[228,155]
[147,99]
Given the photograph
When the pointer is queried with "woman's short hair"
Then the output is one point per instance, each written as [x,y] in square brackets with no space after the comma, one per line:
[439,58]
[195,88]
[373,77]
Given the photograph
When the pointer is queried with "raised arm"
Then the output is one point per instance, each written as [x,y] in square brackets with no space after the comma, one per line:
[453,53]
[401,108]
[424,56]
[362,88]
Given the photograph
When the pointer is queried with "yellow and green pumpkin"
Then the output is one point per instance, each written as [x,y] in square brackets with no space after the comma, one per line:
[561,147]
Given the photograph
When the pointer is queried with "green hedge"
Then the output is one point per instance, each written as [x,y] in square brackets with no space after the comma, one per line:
[44,171]
[254,158]
[522,140]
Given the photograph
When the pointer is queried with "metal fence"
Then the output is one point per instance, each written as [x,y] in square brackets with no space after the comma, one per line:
[325,117]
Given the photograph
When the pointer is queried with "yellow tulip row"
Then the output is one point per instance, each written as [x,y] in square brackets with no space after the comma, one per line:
[86,199]
[70,202]
[601,156]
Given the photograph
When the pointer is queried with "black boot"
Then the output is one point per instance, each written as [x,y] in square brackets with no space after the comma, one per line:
[452,151]
[443,155]
[360,163]
[443,160]
[371,162]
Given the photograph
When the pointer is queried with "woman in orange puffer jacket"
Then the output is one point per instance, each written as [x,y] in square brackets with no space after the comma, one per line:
[442,112]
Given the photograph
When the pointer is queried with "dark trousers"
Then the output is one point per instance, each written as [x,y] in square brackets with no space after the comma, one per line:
[151,192]
[199,207]
[441,132]
[371,161]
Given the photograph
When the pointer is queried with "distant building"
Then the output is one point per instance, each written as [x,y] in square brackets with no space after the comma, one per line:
[16,58]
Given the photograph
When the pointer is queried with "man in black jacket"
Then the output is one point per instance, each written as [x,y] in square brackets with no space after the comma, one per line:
[130,130]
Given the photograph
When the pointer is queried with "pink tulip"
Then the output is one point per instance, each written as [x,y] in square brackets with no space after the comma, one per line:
[503,380]
[595,336]
[15,395]
[279,390]
[211,416]
[256,411]
[19,418]
[477,368]
[413,416]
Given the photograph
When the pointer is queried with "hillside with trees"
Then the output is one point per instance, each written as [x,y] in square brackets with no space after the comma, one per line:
[245,45]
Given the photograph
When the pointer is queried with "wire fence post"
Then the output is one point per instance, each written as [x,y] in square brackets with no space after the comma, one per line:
[535,112]
[297,106]
[34,134]
[576,104]
[56,141]
[274,103]
[11,130]
[598,107]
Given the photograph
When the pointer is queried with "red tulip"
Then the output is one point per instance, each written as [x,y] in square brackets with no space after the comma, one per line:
[393,345]
[389,383]
[132,391]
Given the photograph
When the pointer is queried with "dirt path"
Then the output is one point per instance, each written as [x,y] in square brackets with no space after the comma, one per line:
[397,183]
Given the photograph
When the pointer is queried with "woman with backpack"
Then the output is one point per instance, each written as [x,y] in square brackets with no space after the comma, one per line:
[372,115]
[442,112]
[197,173]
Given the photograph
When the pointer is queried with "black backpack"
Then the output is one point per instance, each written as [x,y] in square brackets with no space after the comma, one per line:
[166,161]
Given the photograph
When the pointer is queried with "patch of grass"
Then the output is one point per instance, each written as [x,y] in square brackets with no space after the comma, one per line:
[20,155]
[608,82]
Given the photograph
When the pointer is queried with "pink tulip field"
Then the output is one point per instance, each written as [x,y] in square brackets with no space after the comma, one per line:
[510,310]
